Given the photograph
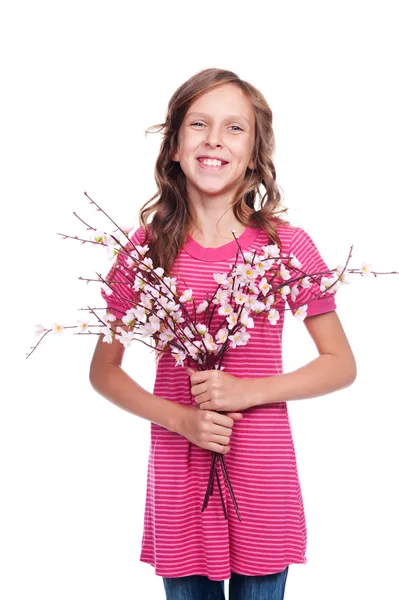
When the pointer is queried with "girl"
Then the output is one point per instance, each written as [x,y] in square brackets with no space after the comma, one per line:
[216,152]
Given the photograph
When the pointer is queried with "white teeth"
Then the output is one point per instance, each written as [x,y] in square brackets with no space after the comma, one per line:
[210,163]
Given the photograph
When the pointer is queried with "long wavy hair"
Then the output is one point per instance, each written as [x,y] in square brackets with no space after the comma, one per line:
[171,219]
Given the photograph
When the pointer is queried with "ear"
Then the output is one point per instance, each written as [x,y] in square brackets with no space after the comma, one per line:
[176,155]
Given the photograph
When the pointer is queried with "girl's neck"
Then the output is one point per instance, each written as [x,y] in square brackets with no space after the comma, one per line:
[210,237]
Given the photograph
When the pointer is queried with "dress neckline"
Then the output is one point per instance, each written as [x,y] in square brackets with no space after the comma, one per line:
[228,250]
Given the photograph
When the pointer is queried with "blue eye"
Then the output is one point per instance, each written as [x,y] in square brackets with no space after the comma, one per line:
[198,123]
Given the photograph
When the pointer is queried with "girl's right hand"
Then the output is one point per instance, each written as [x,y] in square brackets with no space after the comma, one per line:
[208,429]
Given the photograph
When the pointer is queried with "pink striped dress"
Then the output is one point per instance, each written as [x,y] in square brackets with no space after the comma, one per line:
[178,539]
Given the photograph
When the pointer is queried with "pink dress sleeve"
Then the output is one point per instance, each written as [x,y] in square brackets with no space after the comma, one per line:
[305,250]
[122,296]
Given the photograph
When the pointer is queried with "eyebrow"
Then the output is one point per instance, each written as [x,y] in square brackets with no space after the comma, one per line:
[234,117]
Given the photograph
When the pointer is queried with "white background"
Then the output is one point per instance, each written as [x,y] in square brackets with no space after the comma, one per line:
[81,82]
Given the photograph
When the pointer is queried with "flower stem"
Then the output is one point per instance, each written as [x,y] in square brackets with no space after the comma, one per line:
[226,476]
[209,491]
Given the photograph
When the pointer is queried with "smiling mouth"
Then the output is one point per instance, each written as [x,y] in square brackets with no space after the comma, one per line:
[211,167]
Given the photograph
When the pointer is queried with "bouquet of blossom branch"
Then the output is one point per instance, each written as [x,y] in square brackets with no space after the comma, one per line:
[161,313]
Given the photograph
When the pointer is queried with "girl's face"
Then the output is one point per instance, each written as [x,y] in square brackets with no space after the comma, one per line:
[218,124]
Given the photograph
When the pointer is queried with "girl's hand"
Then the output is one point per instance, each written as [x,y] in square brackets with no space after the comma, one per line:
[206,428]
[217,390]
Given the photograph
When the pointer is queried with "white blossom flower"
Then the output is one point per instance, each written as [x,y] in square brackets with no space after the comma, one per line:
[209,343]
[284,272]
[140,313]
[220,278]
[246,320]
[202,307]
[146,301]
[344,276]
[97,236]
[111,252]
[225,309]
[366,269]
[162,292]
[305,282]
[107,336]
[123,233]
[142,250]
[247,272]
[248,256]
[253,288]
[188,333]
[179,357]
[301,313]
[326,282]
[294,292]
[159,271]
[108,240]
[187,296]
[252,300]
[294,262]
[273,316]
[239,338]
[268,264]
[259,266]
[145,330]
[133,259]
[146,264]
[177,317]
[129,317]
[240,298]
[271,251]
[107,289]
[195,349]
[83,325]
[221,335]
[109,316]
[221,296]
[232,319]
[125,338]
[168,305]
[284,291]
[269,301]
[170,281]
[258,307]
[167,336]
[154,323]
[139,284]
[202,329]
[161,313]
[264,286]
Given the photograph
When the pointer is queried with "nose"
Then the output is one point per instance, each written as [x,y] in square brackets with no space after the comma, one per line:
[214,136]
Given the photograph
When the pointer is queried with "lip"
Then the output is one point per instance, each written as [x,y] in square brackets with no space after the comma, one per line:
[210,167]
[212,158]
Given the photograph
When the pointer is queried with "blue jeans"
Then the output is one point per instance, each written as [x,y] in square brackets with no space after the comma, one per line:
[241,587]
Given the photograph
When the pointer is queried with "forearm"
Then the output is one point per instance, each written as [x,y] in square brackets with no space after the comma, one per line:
[323,375]
[115,385]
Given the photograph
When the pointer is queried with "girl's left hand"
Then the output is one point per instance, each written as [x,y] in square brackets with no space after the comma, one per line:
[217,390]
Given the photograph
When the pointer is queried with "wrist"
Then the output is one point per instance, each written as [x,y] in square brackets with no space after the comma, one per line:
[257,395]
[176,417]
